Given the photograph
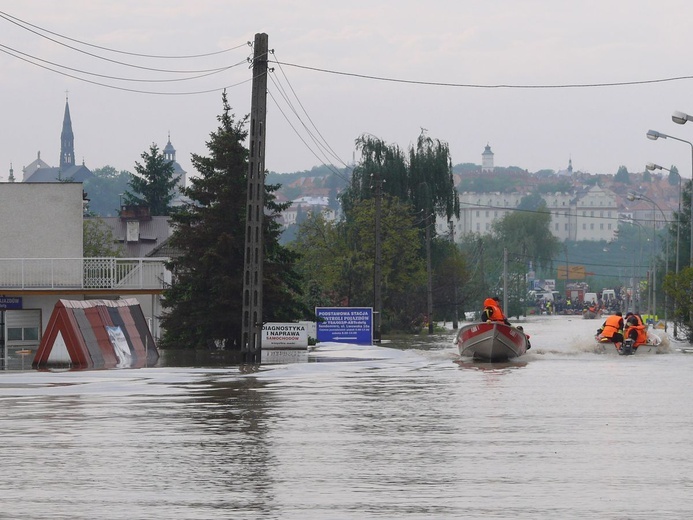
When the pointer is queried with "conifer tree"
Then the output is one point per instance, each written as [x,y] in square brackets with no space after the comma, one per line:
[204,303]
[153,186]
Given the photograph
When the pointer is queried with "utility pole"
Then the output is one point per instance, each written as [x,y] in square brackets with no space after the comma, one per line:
[377,266]
[251,346]
[430,276]
[505,280]
[455,318]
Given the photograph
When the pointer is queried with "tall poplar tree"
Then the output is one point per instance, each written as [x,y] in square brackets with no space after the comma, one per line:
[153,186]
[204,302]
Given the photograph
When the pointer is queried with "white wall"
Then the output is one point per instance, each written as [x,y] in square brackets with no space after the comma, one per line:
[41,220]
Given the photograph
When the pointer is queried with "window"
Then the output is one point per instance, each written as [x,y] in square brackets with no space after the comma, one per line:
[591,226]
[584,226]
[566,227]
[601,226]
[478,213]
[22,334]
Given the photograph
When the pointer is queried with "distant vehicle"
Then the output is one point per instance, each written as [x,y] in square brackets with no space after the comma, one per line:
[608,295]
[590,297]
[546,296]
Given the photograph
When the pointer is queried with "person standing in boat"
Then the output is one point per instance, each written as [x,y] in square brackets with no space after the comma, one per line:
[612,329]
[635,329]
[493,312]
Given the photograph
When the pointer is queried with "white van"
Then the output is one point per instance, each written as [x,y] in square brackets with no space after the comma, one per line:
[540,295]
[608,295]
[590,298]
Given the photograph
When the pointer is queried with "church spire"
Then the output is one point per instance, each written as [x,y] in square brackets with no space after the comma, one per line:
[67,141]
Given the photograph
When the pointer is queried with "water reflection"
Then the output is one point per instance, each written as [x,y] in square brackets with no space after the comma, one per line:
[484,366]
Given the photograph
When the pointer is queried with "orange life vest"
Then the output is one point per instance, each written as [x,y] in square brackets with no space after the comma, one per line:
[612,325]
[493,310]
[639,327]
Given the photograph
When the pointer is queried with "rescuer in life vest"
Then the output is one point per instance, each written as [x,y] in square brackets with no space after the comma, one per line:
[493,312]
[635,330]
[612,329]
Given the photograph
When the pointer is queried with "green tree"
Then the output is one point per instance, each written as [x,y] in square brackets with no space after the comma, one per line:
[622,175]
[425,181]
[527,235]
[337,261]
[105,190]
[204,304]
[674,177]
[153,186]
[99,240]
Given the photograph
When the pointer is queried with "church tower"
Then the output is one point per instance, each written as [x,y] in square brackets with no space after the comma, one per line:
[487,159]
[169,153]
[67,141]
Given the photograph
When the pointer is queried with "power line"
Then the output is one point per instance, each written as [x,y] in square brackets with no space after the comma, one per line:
[480,86]
[7,17]
[334,154]
[169,80]
[330,167]
[153,69]
[115,87]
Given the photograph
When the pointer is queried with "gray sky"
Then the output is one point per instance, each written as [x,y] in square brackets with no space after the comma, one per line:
[461,42]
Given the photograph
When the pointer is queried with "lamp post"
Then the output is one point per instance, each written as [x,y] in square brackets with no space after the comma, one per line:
[639,196]
[652,167]
[654,135]
[635,298]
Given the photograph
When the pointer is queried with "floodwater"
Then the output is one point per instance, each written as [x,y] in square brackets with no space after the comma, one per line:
[404,430]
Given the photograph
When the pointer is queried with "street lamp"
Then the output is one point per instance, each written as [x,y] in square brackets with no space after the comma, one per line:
[635,291]
[680,118]
[654,135]
[652,167]
[638,196]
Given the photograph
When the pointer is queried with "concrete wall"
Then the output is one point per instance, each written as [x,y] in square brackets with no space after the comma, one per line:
[41,220]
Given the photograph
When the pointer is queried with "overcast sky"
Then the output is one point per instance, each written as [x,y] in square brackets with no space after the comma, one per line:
[470,46]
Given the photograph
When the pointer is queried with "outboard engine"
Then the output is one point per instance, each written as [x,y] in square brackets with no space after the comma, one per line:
[627,347]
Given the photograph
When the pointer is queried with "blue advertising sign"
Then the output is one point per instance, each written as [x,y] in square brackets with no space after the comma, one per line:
[345,325]
[10,302]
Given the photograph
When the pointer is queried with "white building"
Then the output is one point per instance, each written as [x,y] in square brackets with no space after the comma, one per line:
[42,261]
[588,215]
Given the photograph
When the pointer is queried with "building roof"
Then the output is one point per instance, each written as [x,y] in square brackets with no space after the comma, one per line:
[77,173]
[152,233]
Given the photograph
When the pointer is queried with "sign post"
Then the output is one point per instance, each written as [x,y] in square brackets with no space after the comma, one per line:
[345,324]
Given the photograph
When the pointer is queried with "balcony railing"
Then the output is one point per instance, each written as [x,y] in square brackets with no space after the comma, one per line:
[82,273]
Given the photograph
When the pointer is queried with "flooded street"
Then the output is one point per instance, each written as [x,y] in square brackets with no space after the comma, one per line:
[405,430]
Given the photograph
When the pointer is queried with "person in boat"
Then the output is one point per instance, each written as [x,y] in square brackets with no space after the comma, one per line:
[612,329]
[635,329]
[493,312]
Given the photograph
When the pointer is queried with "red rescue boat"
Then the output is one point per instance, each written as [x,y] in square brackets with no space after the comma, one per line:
[491,341]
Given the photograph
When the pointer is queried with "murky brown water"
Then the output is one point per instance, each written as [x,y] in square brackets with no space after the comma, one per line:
[405,430]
